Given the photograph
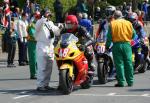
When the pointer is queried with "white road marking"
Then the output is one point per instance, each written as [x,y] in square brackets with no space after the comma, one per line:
[145,95]
[22,96]
[111,94]
[23,92]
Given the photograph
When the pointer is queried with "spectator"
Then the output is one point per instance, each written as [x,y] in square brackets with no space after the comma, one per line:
[22,41]
[11,40]
[121,33]
[15,13]
[32,46]
[124,8]
[85,22]
[1,15]
[97,14]
[79,17]
[58,9]
[141,17]
[27,9]
[144,8]
[6,23]
[81,6]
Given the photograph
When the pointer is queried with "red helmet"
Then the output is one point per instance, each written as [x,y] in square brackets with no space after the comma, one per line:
[71,23]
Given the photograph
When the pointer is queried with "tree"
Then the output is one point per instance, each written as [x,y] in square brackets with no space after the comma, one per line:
[115,2]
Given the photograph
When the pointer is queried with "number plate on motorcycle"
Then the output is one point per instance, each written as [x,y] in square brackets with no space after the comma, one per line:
[63,52]
[100,48]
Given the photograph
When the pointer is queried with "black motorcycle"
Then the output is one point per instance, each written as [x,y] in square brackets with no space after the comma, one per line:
[104,61]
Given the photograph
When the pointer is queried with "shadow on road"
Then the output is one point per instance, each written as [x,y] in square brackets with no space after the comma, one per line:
[8,79]
[14,79]
[32,92]
[140,90]
[96,82]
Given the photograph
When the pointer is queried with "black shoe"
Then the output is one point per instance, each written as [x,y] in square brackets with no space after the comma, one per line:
[92,67]
[59,88]
[44,89]
[22,64]
[11,65]
[41,89]
[33,77]
[49,88]
[119,85]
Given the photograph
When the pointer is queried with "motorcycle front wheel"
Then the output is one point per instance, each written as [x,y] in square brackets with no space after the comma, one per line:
[66,82]
[102,73]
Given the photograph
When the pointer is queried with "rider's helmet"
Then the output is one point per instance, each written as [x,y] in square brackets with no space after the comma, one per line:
[71,23]
[110,10]
[133,17]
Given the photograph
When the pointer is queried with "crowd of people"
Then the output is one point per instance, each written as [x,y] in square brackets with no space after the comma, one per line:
[35,33]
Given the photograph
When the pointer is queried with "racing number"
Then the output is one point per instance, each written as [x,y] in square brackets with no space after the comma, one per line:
[100,49]
[63,52]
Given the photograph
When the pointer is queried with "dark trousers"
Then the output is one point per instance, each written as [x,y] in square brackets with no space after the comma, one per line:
[22,46]
[11,52]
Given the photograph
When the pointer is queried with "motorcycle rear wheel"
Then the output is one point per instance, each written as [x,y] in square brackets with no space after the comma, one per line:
[66,82]
[102,73]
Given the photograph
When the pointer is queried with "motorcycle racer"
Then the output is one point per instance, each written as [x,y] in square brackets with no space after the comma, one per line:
[84,37]
[141,35]
[85,40]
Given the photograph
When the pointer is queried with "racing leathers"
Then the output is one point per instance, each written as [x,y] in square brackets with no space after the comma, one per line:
[140,48]
[85,42]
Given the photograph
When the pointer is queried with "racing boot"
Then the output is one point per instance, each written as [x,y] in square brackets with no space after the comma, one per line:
[91,68]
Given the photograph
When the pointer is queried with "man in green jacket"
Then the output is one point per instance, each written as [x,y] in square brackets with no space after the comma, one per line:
[121,33]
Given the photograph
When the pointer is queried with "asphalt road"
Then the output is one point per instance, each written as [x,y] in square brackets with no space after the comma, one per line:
[16,87]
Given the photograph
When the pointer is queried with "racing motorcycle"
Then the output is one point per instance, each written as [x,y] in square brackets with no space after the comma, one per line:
[104,61]
[141,62]
[72,64]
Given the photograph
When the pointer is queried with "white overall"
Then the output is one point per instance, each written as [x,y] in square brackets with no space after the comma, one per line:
[45,50]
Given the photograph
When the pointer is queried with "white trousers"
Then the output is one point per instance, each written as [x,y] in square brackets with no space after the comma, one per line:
[44,65]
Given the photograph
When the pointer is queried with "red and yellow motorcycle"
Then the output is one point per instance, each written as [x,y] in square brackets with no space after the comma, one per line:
[72,64]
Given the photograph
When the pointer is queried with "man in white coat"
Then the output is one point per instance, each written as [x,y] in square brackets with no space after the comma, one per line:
[45,35]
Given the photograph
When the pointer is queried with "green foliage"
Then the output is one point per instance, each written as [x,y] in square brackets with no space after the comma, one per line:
[67,4]
[115,2]
[21,3]
[102,5]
